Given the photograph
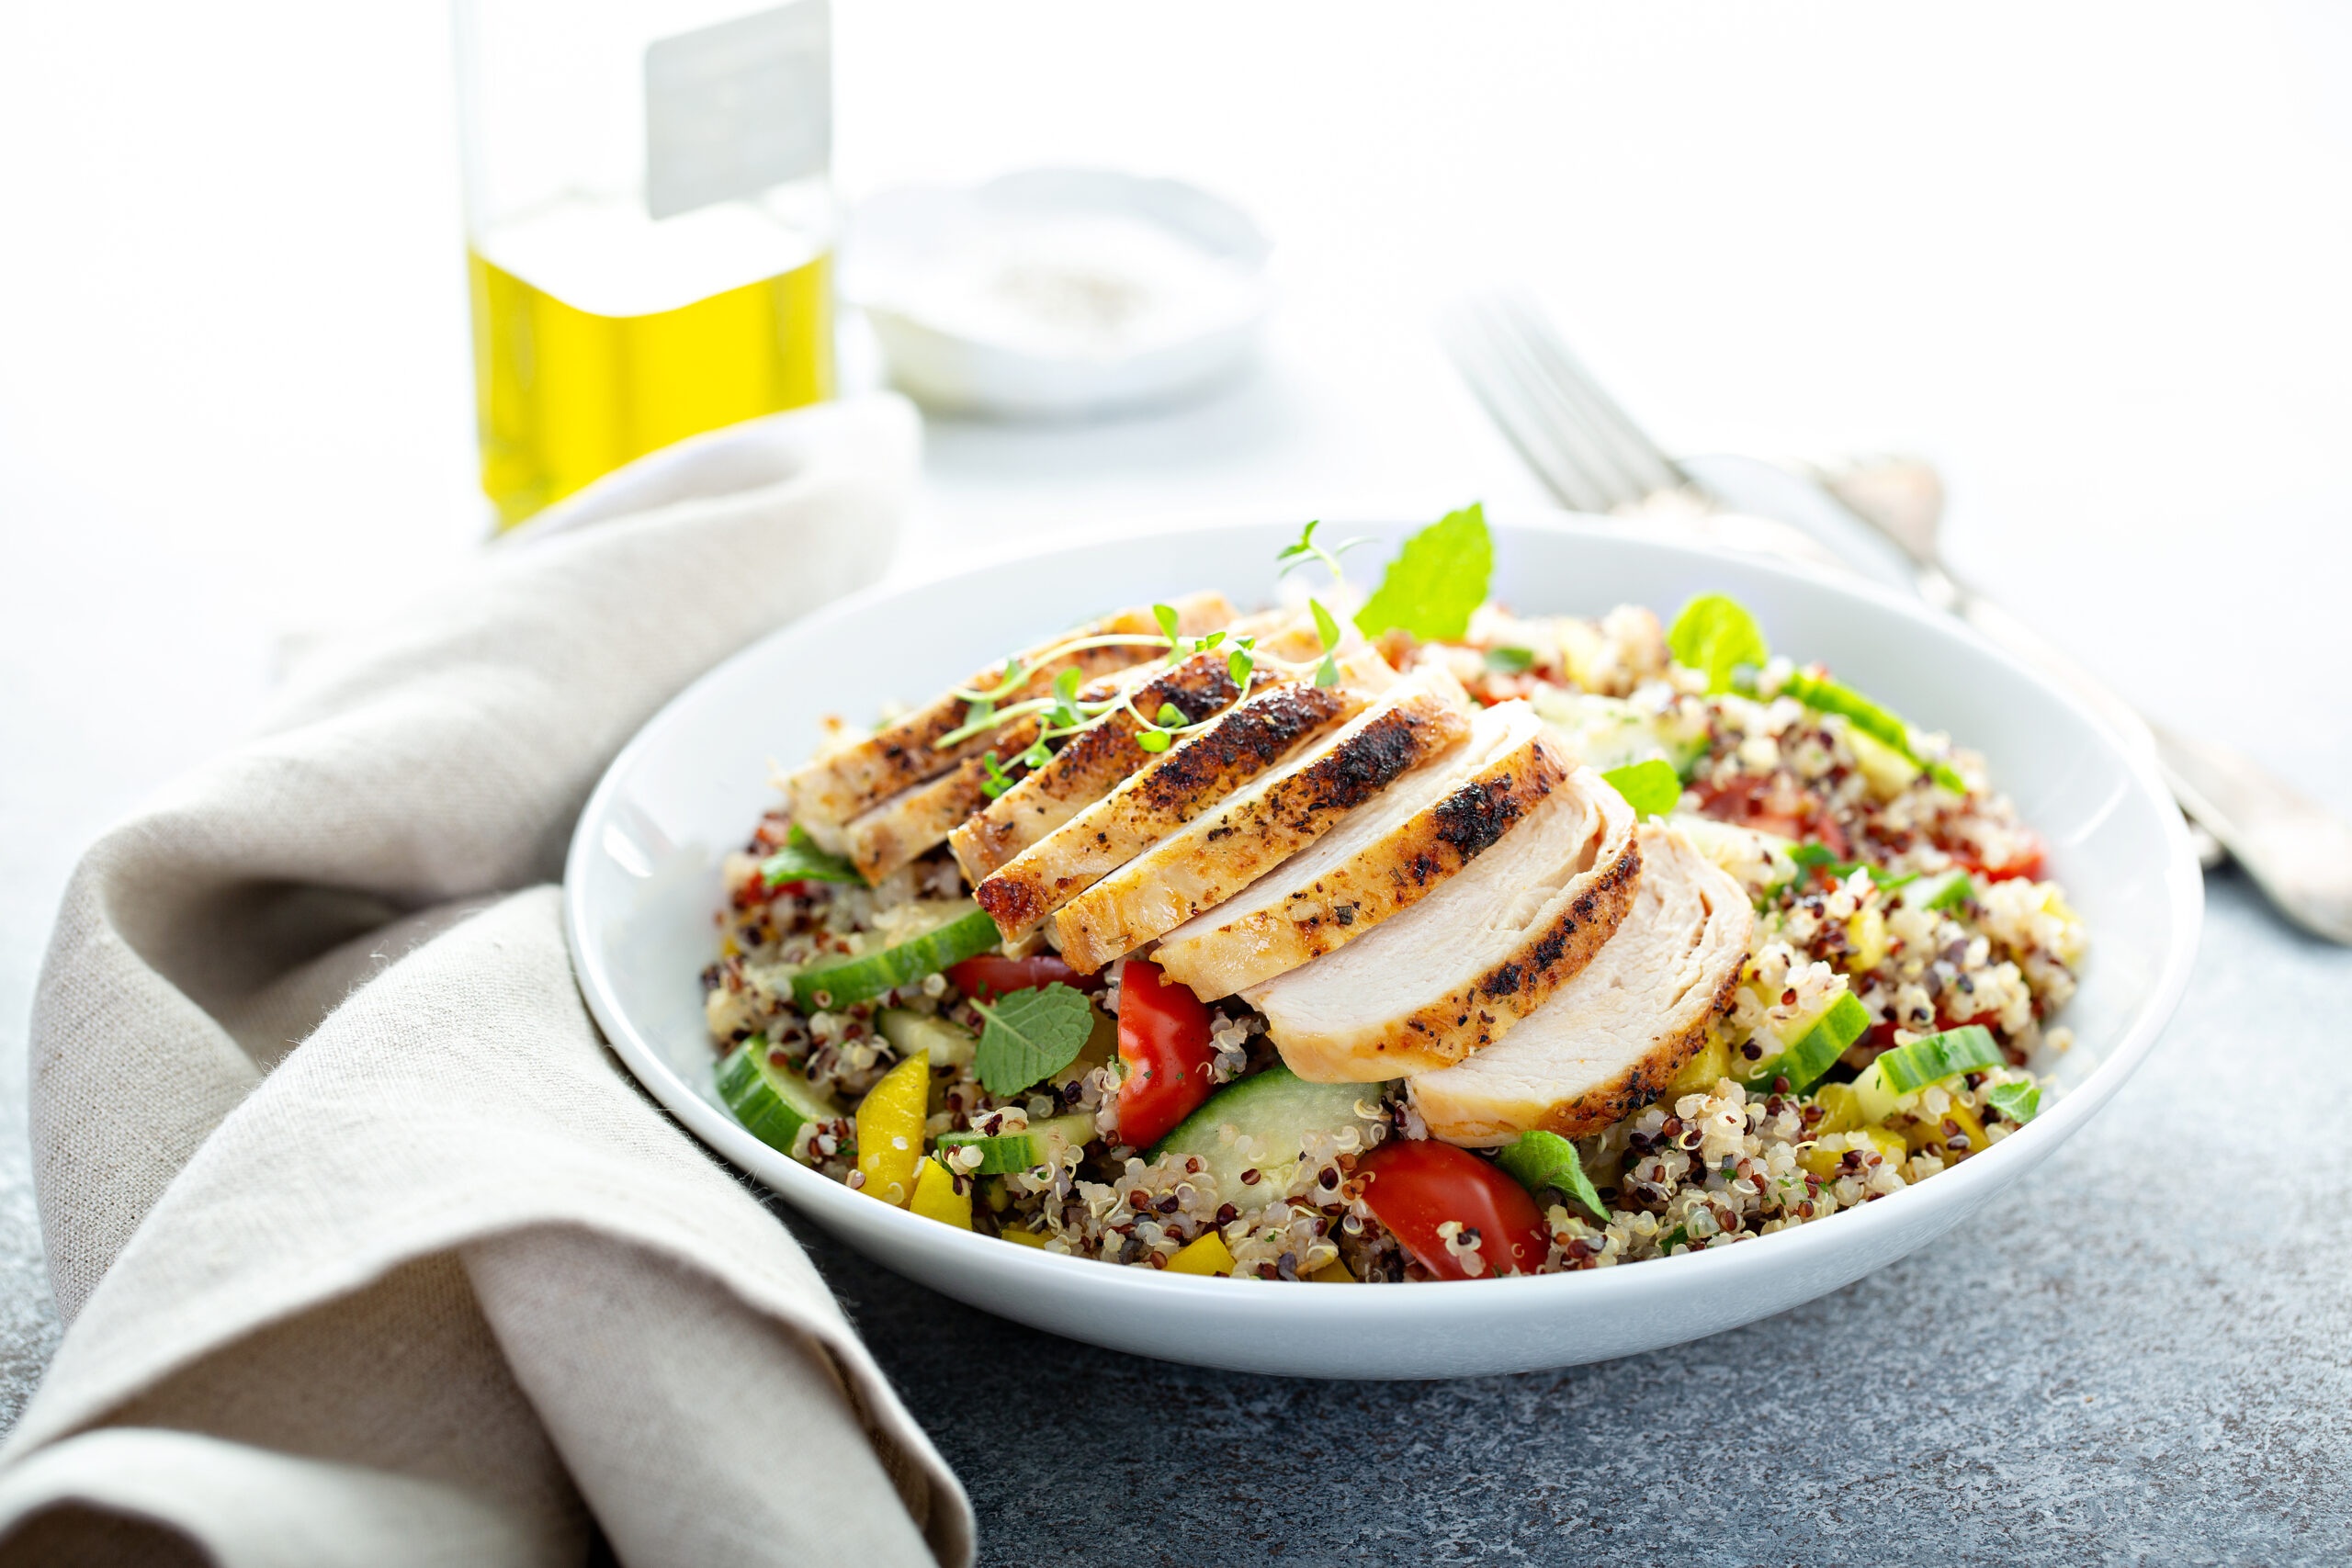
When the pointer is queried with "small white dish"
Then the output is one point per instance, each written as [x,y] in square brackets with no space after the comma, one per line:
[642,886]
[1058,293]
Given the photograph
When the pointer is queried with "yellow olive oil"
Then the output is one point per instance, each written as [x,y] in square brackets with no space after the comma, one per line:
[564,393]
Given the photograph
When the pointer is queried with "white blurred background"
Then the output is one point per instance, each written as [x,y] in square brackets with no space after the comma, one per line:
[2092,260]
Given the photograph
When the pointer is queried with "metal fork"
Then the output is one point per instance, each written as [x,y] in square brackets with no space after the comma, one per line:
[1591,454]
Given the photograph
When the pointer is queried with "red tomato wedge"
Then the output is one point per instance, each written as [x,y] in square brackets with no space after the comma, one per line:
[2027,861]
[993,975]
[1164,1041]
[1417,1187]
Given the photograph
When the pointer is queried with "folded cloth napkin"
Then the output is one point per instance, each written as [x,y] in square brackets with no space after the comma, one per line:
[371,1252]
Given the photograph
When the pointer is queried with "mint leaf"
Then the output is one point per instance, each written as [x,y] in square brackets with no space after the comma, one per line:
[801,861]
[2020,1102]
[1436,580]
[1510,661]
[1546,1159]
[1651,789]
[1031,1035]
[1716,635]
[1954,893]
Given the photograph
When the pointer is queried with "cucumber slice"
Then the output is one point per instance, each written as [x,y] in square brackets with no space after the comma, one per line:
[1274,1109]
[947,1046]
[1818,1048]
[838,984]
[773,1103]
[1935,1057]
[1929,1059]
[1005,1153]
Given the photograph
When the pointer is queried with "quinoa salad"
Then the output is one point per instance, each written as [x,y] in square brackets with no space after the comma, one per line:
[1389,936]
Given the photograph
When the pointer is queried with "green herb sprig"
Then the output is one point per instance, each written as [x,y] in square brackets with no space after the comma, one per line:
[1546,1159]
[801,861]
[1030,1036]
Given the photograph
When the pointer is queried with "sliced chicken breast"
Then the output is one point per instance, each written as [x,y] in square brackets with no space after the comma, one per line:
[1456,972]
[1091,764]
[1220,852]
[913,820]
[1239,745]
[1382,859]
[1610,1040]
[847,783]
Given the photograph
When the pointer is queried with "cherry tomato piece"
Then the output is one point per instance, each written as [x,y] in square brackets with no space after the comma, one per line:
[1164,1041]
[1772,803]
[993,975]
[2027,861]
[1418,1186]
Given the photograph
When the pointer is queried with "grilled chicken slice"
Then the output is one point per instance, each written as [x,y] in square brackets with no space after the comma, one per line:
[1236,746]
[1382,859]
[1610,1040]
[1093,762]
[1453,973]
[912,820]
[1220,852]
[847,783]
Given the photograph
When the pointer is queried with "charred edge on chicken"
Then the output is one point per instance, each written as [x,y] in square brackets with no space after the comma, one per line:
[1454,1028]
[1248,739]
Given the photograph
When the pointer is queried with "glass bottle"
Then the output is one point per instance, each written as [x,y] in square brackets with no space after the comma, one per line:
[650,220]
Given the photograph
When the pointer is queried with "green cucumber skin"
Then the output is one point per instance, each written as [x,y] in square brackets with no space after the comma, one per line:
[1275,1107]
[771,1105]
[1817,1050]
[1937,1057]
[1006,1152]
[861,980]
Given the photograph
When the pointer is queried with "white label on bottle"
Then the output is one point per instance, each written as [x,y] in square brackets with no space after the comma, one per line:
[732,109]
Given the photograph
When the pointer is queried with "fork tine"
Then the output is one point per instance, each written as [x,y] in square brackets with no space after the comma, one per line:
[1501,391]
[1586,443]
[1630,448]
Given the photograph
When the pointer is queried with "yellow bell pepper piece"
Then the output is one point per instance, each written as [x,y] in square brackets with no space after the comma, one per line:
[936,1198]
[1928,1131]
[889,1129]
[1889,1144]
[1333,1273]
[1021,1234]
[1841,1109]
[1205,1254]
[1700,1072]
[1828,1164]
[1865,941]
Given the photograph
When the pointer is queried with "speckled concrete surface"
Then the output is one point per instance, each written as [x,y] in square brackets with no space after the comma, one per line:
[2141,1355]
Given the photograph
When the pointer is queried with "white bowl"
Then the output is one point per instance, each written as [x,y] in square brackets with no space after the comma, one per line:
[943,274]
[642,886]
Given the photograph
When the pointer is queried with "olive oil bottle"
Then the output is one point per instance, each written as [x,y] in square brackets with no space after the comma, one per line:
[649,221]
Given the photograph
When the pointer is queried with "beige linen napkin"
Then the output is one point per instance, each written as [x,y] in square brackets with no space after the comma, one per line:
[438,1284]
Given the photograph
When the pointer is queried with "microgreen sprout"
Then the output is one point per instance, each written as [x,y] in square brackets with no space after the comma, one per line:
[998,780]
[1306,549]
[1326,628]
